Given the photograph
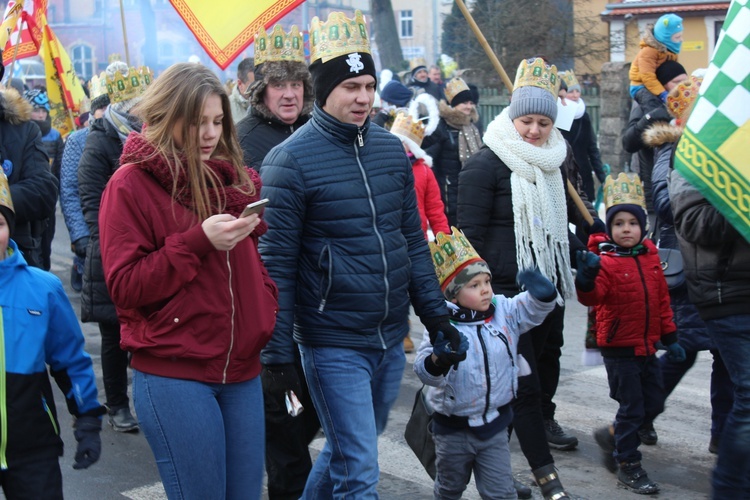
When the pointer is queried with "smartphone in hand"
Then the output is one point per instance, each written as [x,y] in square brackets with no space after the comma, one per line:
[254,208]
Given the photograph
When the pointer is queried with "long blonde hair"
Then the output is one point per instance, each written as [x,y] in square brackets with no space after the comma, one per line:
[176,99]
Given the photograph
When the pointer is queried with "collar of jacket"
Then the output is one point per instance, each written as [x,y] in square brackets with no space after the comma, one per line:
[273,120]
[345,133]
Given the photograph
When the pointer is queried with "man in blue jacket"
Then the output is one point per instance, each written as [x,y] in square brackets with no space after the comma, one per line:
[346,249]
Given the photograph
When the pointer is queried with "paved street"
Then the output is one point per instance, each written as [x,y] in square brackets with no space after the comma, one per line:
[680,462]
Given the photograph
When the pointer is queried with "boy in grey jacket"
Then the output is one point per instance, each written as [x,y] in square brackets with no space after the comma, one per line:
[472,401]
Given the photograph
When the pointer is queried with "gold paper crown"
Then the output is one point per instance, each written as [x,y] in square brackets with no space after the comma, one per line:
[536,73]
[417,62]
[279,46]
[569,78]
[450,254]
[5,199]
[454,87]
[338,36]
[623,190]
[681,98]
[404,125]
[121,87]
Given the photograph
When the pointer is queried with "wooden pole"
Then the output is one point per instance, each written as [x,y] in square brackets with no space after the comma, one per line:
[124,33]
[15,53]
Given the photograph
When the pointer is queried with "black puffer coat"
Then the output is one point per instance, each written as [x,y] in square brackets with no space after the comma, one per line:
[259,133]
[100,159]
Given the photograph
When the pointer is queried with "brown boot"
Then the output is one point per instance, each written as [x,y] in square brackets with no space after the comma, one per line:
[408,345]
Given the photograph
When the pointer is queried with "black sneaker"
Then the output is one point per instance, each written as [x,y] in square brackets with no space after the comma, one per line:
[713,445]
[606,441]
[522,491]
[122,420]
[633,477]
[557,437]
[648,434]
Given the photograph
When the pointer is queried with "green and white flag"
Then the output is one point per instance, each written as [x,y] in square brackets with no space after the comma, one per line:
[714,152]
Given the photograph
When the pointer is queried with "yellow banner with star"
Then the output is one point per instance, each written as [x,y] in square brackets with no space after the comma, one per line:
[226,29]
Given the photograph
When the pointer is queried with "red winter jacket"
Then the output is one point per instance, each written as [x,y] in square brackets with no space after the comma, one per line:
[632,302]
[186,310]
[431,208]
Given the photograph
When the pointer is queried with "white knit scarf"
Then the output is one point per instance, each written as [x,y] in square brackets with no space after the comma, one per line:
[540,222]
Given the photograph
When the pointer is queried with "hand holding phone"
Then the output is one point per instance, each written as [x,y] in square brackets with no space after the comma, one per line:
[254,208]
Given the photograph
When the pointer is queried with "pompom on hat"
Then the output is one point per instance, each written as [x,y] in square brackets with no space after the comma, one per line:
[536,89]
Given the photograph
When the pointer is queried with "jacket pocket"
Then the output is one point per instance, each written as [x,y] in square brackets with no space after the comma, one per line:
[613,330]
[325,264]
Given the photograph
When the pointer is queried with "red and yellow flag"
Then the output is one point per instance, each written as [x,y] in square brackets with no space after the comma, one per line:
[26,18]
[223,35]
[64,89]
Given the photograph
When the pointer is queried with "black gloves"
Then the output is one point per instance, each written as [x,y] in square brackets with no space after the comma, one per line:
[442,324]
[588,267]
[446,355]
[659,114]
[536,284]
[89,448]
[79,246]
[277,379]
[597,227]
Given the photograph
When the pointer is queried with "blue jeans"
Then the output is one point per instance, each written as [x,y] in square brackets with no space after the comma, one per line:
[353,391]
[636,383]
[208,439]
[731,478]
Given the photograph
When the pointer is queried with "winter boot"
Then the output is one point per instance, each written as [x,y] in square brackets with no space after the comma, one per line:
[605,438]
[647,434]
[523,491]
[557,437]
[549,482]
[632,476]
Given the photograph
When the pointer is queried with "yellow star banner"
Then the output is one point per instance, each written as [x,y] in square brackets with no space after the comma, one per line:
[223,35]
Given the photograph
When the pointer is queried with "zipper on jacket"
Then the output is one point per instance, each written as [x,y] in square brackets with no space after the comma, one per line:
[360,141]
[231,331]
[3,397]
[718,290]
[380,239]
[323,300]
[486,374]
[648,312]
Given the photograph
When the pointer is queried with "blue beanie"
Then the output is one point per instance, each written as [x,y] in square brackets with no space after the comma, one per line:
[396,93]
[665,28]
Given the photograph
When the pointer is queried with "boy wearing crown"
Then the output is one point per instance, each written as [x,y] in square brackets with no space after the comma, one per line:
[472,401]
[621,276]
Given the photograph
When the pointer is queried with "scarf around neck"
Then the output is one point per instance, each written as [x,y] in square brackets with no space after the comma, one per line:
[141,152]
[540,223]
[122,122]
[469,140]
[580,110]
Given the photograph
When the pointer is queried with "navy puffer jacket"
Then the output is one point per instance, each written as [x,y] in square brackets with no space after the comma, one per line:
[345,244]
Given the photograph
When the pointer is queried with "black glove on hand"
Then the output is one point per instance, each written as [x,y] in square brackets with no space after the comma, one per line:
[597,227]
[536,284]
[659,114]
[588,267]
[79,246]
[89,448]
[443,324]
[277,379]
[446,355]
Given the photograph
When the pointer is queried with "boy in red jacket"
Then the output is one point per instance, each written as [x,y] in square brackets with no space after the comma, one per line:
[622,277]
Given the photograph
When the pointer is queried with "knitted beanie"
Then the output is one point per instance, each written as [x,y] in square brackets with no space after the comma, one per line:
[451,289]
[530,100]
[668,71]
[665,28]
[326,76]
[637,210]
[396,93]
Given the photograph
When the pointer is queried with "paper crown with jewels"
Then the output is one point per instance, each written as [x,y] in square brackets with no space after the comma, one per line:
[338,36]
[537,73]
[5,199]
[624,190]
[417,62]
[569,78]
[121,87]
[404,125]
[455,87]
[450,254]
[279,46]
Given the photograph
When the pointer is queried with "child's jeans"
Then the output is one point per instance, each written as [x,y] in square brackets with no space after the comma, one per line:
[461,452]
[636,383]
[645,99]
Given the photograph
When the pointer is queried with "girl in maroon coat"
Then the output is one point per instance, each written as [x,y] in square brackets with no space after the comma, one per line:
[622,277]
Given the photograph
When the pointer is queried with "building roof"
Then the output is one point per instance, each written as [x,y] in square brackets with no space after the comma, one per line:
[645,7]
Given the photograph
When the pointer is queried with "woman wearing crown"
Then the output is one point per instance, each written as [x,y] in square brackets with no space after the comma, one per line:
[512,207]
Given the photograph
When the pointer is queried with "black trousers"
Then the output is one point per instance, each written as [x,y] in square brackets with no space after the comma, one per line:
[38,478]
[114,367]
[541,347]
[288,461]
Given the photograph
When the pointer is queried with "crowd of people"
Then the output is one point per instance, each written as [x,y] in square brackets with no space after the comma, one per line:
[257,332]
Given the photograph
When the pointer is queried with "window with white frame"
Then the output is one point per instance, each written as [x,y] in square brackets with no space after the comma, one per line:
[82,55]
[406,18]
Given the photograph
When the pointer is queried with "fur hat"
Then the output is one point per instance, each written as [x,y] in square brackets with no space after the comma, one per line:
[280,71]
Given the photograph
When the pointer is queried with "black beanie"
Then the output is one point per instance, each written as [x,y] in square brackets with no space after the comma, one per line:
[638,211]
[396,93]
[668,71]
[10,219]
[461,97]
[329,74]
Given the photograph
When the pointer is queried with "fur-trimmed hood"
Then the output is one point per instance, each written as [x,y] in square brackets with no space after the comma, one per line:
[661,133]
[649,40]
[279,71]
[14,109]
[456,118]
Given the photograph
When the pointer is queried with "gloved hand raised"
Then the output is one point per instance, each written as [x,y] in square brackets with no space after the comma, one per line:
[597,227]
[442,324]
[89,448]
[588,267]
[79,246]
[277,379]
[447,356]
[536,284]
[675,352]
